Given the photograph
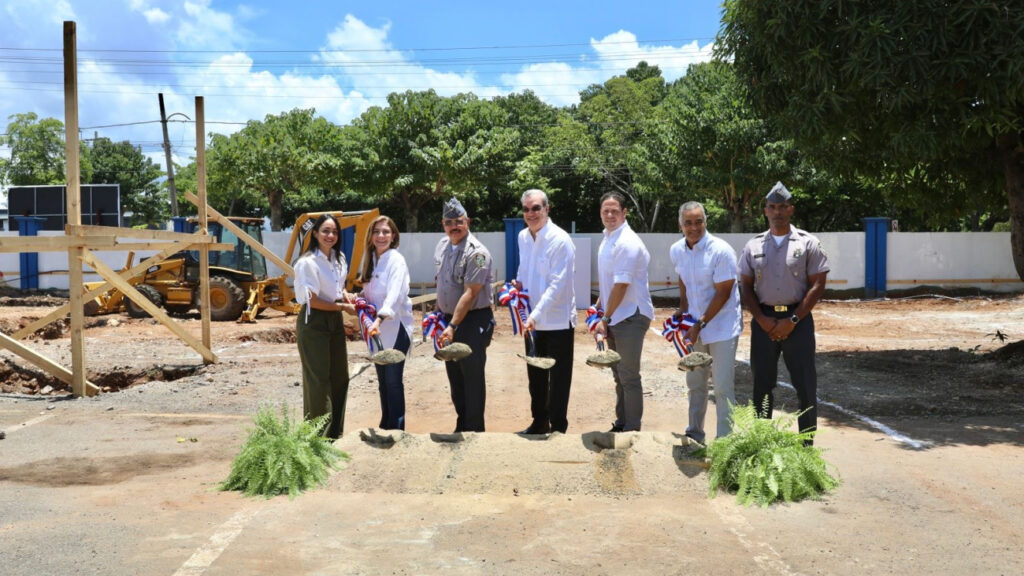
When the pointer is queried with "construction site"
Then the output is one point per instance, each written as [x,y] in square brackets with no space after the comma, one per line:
[124,402]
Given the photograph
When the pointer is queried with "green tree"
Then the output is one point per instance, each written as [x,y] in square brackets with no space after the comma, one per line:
[615,116]
[423,147]
[265,161]
[37,152]
[123,164]
[930,91]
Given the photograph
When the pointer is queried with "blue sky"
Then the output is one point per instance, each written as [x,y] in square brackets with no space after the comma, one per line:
[250,59]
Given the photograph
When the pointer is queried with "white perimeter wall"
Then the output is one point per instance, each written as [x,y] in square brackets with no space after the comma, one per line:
[945,259]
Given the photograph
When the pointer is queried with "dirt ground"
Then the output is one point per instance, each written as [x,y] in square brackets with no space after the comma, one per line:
[921,417]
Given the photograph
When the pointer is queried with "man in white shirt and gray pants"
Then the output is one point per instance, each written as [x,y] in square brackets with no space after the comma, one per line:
[547,264]
[625,297]
[709,293]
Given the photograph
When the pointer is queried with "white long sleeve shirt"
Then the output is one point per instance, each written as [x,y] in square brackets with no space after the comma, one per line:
[547,265]
[388,290]
[623,259]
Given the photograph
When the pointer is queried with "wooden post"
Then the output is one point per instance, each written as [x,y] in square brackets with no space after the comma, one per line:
[204,251]
[74,209]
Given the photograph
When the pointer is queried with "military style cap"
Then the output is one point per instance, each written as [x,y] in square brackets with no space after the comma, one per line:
[453,209]
[779,195]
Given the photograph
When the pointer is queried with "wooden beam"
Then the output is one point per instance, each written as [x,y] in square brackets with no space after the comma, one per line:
[129,291]
[161,244]
[62,311]
[58,371]
[204,225]
[284,266]
[54,243]
[190,237]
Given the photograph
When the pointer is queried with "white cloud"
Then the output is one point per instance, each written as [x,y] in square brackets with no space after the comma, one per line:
[156,16]
[621,51]
[203,28]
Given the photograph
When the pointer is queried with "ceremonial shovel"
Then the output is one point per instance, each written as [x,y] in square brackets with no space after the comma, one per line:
[603,358]
[694,361]
[384,355]
[453,352]
[531,356]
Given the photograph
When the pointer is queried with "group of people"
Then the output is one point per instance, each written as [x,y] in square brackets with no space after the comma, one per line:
[778,277]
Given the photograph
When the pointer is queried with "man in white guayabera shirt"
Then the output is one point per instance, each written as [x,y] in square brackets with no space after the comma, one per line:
[625,297]
[708,292]
[547,263]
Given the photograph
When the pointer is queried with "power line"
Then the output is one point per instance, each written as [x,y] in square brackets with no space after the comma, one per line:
[414,49]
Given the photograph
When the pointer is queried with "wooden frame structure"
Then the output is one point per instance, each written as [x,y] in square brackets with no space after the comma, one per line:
[79,242]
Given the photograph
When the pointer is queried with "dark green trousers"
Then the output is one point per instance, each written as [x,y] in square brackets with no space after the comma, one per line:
[324,355]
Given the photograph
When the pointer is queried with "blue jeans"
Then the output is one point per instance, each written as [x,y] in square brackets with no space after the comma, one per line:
[392,389]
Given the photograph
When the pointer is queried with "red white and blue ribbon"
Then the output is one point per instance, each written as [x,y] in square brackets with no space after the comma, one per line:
[518,302]
[594,315]
[367,313]
[675,328]
[433,325]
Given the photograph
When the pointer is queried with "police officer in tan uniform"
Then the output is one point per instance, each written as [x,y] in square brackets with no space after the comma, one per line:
[782,276]
[464,296]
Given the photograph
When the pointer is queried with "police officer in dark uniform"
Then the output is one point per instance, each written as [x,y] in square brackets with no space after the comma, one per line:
[464,296]
[782,276]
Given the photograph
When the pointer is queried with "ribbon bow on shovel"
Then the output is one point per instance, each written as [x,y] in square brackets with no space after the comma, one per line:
[518,302]
[602,358]
[433,325]
[367,314]
[675,328]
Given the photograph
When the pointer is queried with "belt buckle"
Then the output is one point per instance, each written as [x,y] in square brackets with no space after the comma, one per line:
[781,308]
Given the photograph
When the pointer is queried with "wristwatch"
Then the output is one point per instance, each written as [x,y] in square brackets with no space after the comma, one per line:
[702,324]
[794,319]
[606,319]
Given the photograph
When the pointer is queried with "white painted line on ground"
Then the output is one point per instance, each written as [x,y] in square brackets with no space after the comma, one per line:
[207,554]
[897,436]
[763,554]
[28,423]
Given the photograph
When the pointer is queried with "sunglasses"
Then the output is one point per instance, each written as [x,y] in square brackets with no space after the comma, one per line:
[450,222]
[534,208]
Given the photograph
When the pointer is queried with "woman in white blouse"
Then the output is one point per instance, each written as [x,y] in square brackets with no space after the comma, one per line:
[386,285]
[319,331]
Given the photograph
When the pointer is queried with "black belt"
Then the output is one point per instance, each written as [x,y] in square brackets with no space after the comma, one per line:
[448,317]
[779,307]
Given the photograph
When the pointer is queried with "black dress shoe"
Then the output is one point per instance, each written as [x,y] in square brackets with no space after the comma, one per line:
[616,428]
[536,429]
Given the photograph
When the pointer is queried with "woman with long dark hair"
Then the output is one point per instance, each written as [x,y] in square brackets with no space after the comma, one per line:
[319,330]
[385,278]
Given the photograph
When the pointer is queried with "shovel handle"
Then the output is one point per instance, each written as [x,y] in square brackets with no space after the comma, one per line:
[600,342]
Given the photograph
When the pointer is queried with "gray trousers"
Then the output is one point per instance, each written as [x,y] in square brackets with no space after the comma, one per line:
[627,338]
[723,370]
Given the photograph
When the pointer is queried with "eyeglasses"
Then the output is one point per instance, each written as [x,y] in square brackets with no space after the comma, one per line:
[534,208]
[450,222]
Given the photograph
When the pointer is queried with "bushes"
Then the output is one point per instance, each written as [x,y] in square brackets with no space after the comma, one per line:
[763,461]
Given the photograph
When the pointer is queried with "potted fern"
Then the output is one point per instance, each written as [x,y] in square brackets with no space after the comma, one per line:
[764,461]
[283,456]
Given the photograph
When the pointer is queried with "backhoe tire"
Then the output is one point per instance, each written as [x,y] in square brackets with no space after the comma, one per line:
[227,299]
[151,294]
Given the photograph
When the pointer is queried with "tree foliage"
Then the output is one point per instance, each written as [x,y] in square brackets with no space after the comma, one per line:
[422,148]
[897,92]
[123,164]
[269,159]
[37,152]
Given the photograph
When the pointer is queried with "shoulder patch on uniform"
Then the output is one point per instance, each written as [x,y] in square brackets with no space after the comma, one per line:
[480,260]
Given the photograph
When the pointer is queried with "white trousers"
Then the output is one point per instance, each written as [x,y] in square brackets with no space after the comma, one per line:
[723,370]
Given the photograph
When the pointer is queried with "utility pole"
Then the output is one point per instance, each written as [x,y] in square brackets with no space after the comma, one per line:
[167,154]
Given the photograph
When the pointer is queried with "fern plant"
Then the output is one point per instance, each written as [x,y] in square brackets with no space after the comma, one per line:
[283,455]
[764,461]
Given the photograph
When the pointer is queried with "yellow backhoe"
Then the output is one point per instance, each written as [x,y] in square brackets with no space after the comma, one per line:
[239,286]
